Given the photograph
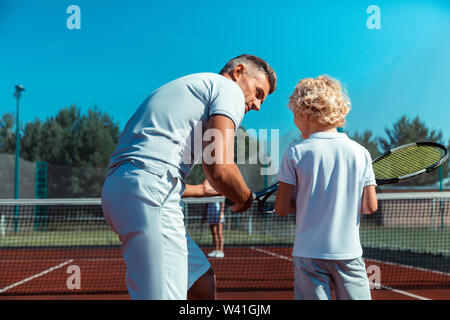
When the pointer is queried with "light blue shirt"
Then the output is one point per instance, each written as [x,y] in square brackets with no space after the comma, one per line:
[329,171]
[166,131]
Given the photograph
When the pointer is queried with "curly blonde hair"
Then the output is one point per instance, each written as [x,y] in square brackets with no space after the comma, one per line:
[321,99]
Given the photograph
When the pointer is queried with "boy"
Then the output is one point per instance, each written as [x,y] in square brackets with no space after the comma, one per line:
[328,180]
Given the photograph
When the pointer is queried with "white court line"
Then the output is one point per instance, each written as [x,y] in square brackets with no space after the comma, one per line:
[53,260]
[271,254]
[406,293]
[410,267]
[412,295]
[35,276]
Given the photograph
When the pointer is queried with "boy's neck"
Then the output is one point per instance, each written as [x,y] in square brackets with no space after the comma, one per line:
[316,127]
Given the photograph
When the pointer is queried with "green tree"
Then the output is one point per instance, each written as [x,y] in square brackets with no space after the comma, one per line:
[7,136]
[406,131]
[196,176]
[77,148]
[250,172]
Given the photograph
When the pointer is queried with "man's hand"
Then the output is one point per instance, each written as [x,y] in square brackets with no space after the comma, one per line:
[243,206]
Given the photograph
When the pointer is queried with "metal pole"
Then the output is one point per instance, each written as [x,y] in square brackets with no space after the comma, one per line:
[16,186]
[17,94]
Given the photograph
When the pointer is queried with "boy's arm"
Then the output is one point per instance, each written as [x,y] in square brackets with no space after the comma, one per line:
[200,190]
[369,202]
[285,201]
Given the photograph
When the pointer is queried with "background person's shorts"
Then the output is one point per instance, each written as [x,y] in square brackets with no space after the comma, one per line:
[213,213]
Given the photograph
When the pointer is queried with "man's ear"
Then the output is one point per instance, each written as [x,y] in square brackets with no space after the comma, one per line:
[238,72]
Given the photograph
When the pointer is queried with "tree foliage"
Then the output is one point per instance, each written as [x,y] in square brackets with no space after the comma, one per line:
[76,146]
[368,141]
[250,170]
[7,136]
[405,131]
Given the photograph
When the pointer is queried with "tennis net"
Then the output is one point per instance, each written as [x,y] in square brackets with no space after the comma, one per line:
[65,246]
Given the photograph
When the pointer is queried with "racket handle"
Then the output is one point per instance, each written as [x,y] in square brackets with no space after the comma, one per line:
[230,202]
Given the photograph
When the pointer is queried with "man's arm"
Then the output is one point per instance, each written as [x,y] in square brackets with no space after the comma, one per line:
[369,202]
[218,163]
[285,201]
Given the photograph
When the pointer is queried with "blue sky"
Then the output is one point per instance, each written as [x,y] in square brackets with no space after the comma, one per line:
[126,49]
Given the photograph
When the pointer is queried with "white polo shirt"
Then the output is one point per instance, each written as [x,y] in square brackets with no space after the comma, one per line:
[166,131]
[329,171]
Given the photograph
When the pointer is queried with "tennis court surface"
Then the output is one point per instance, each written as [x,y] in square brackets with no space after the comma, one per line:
[64,249]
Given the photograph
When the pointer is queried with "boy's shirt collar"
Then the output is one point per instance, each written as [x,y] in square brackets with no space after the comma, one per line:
[327,135]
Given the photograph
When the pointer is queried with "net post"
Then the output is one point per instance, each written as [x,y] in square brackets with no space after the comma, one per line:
[41,178]
[441,189]
[433,215]
[16,218]
[3,226]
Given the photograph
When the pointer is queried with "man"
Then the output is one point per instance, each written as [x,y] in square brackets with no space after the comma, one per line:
[141,196]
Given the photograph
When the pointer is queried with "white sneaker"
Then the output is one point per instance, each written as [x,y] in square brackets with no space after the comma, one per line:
[219,254]
[213,254]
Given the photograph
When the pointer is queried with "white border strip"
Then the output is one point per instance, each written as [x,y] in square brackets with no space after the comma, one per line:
[413,195]
[97,201]
[52,202]
[89,201]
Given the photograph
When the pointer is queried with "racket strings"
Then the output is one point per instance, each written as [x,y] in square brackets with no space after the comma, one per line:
[407,161]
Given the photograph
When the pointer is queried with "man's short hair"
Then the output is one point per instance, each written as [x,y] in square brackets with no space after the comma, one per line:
[253,64]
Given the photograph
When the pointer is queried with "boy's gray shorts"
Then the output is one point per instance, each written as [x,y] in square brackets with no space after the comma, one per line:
[314,278]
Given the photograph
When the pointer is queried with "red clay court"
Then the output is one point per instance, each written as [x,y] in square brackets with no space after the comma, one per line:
[406,246]
[244,274]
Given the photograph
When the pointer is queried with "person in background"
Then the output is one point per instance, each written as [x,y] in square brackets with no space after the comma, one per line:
[216,217]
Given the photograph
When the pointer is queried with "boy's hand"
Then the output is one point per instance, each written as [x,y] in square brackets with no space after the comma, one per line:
[208,190]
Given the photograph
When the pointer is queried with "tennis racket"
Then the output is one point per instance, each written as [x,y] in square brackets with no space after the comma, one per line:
[398,164]
[261,197]
[408,161]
